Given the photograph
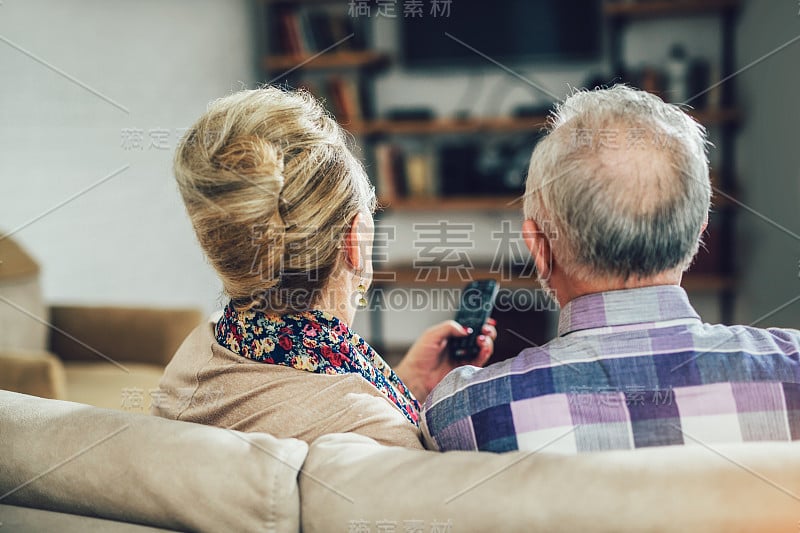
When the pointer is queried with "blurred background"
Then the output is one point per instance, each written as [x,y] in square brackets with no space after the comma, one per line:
[445,100]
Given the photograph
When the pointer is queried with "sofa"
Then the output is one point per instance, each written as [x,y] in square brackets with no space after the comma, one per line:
[107,356]
[72,467]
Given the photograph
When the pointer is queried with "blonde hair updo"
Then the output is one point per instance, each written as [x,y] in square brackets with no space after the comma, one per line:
[271,187]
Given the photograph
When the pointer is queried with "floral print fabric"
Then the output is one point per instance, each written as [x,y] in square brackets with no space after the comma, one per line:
[314,341]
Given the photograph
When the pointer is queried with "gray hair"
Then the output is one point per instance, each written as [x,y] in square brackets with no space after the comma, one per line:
[620,183]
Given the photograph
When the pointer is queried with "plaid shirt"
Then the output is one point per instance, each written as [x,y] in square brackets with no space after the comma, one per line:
[629,369]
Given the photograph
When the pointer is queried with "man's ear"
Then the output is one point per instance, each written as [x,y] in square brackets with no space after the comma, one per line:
[704,226]
[353,249]
[539,246]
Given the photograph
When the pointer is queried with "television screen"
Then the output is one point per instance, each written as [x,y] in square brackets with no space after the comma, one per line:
[508,31]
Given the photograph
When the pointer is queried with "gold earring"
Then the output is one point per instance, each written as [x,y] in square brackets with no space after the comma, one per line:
[361,290]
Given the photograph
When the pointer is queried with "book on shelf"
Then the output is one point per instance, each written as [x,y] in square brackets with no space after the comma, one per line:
[402,173]
[386,181]
[340,96]
[311,29]
[421,179]
[345,99]
[289,36]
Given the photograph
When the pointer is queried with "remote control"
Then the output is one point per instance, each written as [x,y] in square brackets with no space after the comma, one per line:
[477,302]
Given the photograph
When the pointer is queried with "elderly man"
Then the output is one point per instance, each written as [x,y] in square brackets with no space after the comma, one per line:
[617,198]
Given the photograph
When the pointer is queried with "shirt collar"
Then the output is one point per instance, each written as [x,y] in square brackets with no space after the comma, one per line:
[645,305]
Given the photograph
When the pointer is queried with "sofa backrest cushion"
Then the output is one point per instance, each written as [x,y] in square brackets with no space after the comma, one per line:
[70,457]
[23,314]
[134,334]
[362,486]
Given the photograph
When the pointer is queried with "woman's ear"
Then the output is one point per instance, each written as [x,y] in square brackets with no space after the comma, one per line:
[539,246]
[354,243]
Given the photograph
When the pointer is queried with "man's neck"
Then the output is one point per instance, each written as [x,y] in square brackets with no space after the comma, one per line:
[567,289]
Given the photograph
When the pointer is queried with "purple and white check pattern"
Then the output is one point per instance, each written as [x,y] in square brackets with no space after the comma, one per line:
[629,369]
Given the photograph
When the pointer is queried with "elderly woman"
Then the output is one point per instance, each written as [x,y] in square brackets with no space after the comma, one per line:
[283,211]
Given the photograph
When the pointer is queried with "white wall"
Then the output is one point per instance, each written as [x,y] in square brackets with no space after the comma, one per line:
[128,240]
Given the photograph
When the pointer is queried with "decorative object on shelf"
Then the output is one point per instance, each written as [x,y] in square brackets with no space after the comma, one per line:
[677,70]
[698,81]
[531,111]
[410,113]
[313,29]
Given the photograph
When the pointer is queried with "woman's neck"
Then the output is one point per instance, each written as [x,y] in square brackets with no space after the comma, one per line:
[338,299]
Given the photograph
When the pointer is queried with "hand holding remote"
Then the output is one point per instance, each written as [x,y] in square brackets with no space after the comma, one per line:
[477,302]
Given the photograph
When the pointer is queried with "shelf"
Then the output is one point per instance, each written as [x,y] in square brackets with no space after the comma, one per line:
[707,282]
[721,197]
[454,203]
[710,117]
[407,276]
[446,125]
[715,117]
[295,3]
[656,8]
[329,60]
[494,203]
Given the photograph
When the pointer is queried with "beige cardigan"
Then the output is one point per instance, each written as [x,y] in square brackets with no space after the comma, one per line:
[209,384]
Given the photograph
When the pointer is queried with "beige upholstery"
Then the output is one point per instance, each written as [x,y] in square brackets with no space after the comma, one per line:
[32,372]
[16,261]
[139,342]
[359,483]
[141,335]
[69,457]
[132,388]
[28,520]
[23,314]
[113,357]
[135,468]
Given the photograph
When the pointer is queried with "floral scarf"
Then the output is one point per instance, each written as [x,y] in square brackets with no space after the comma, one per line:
[314,341]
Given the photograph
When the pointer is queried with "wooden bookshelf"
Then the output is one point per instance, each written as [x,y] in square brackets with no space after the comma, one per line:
[707,282]
[360,67]
[408,276]
[663,8]
[490,203]
[295,3]
[448,125]
[620,16]
[443,126]
[716,117]
[455,203]
[720,196]
[329,60]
